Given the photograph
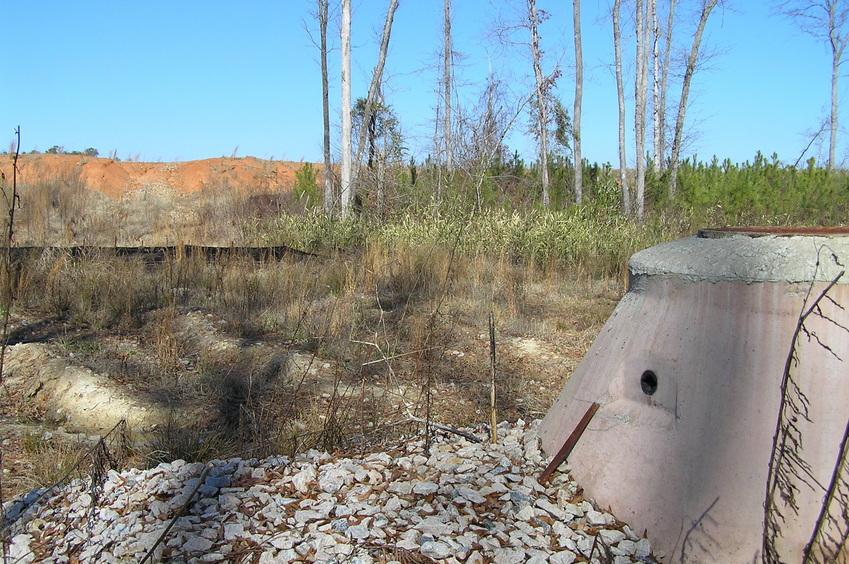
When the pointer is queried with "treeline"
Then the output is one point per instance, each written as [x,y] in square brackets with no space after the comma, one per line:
[762,191]
[60,150]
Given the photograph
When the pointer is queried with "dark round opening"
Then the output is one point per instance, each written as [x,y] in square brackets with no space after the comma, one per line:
[648,382]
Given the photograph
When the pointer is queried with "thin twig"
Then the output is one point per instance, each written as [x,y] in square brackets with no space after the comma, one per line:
[426,421]
[179,514]
[786,460]
[830,496]
[9,291]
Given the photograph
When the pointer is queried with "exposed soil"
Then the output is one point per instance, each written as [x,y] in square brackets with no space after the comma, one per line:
[116,178]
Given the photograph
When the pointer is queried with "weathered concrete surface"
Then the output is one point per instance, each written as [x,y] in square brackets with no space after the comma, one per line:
[740,258]
[713,319]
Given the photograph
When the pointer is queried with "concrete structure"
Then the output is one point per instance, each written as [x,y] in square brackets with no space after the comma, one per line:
[688,371]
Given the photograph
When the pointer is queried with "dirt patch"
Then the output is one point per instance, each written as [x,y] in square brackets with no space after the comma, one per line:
[117,178]
[68,200]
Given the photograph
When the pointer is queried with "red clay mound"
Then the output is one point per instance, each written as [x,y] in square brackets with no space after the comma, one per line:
[116,178]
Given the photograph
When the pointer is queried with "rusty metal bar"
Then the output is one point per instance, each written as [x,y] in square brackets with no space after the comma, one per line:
[570,443]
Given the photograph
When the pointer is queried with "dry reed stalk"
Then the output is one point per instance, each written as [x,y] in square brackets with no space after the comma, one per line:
[493,419]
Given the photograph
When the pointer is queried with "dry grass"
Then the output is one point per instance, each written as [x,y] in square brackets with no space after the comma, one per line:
[215,339]
[250,358]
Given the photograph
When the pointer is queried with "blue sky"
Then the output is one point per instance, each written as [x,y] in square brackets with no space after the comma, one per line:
[178,80]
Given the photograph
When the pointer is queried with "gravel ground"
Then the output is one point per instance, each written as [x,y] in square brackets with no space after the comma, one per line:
[458,502]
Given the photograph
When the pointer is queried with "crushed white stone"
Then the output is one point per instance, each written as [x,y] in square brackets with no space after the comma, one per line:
[460,502]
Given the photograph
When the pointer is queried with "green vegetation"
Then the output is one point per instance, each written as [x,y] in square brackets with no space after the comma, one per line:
[596,238]
[306,187]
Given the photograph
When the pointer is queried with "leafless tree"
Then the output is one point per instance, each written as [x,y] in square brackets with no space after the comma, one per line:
[322,16]
[347,187]
[827,20]
[576,114]
[349,165]
[443,134]
[481,131]
[447,68]
[323,7]
[661,76]
[643,32]
[374,88]
[511,31]
[534,18]
[620,90]
[692,60]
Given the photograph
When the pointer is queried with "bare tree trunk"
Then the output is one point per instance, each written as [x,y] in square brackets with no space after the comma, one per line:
[576,114]
[347,188]
[837,40]
[374,87]
[323,8]
[832,142]
[692,59]
[437,144]
[381,190]
[664,79]
[640,102]
[447,67]
[620,91]
[657,110]
[542,114]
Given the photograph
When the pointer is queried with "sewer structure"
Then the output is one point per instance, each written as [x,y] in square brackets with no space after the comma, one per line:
[727,347]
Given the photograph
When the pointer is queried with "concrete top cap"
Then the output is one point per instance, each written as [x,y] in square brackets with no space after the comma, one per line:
[746,256]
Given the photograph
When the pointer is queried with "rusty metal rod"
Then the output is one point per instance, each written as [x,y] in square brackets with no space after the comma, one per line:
[570,443]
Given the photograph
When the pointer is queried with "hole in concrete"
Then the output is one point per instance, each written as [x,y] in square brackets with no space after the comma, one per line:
[648,382]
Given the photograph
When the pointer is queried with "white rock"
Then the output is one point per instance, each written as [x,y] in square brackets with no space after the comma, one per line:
[434,526]
[233,531]
[358,532]
[509,556]
[562,530]
[526,514]
[425,488]
[611,537]
[19,550]
[597,518]
[400,488]
[302,479]
[436,550]
[555,511]
[393,504]
[471,495]
[625,548]
[288,555]
[562,557]
[197,544]
[307,515]
[643,549]
[339,505]
[332,480]
[475,558]
[537,557]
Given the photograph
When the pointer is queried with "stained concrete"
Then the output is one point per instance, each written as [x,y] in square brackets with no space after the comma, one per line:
[742,258]
[688,371]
